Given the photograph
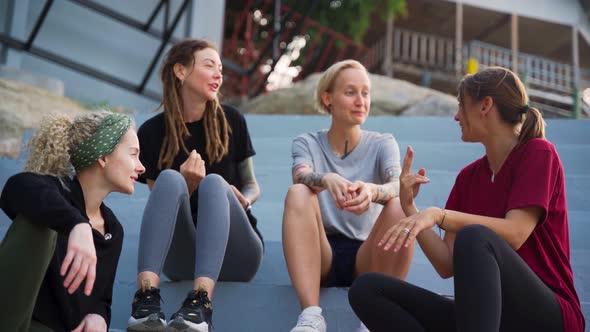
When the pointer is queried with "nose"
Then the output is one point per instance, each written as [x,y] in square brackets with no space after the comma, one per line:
[218,74]
[359,100]
[140,169]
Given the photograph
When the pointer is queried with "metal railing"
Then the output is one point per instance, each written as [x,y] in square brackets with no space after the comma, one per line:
[546,79]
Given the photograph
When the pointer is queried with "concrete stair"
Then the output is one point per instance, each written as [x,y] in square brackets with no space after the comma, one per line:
[269,303]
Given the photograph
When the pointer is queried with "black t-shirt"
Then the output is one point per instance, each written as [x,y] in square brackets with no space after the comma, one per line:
[151,136]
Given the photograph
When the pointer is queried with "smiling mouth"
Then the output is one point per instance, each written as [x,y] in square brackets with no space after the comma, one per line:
[214,86]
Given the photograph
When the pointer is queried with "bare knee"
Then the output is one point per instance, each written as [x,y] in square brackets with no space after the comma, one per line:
[299,198]
[393,210]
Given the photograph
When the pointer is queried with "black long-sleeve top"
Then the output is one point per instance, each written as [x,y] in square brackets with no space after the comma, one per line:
[59,204]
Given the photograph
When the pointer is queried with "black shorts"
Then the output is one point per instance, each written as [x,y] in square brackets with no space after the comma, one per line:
[344,252]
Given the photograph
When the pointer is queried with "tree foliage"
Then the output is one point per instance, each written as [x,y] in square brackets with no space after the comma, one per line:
[352,17]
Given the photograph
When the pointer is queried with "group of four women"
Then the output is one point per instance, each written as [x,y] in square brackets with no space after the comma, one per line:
[350,217]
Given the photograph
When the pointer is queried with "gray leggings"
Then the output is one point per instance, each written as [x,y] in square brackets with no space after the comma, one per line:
[223,245]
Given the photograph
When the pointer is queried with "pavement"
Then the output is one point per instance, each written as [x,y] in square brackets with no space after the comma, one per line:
[268,302]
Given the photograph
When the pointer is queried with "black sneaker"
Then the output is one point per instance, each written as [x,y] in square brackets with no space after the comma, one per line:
[146,314]
[195,314]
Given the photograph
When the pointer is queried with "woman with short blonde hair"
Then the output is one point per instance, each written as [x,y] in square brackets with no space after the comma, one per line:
[343,197]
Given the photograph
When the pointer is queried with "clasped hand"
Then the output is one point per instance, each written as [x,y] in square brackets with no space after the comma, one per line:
[355,197]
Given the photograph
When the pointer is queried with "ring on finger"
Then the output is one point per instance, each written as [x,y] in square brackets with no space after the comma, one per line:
[406,230]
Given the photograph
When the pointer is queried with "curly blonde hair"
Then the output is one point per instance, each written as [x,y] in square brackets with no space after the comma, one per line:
[58,135]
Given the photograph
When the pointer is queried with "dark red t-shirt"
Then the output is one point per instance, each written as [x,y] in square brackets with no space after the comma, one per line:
[532,175]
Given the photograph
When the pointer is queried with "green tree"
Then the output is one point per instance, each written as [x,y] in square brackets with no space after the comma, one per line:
[352,17]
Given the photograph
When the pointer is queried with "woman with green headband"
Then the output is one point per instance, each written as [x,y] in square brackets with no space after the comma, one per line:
[506,239]
[60,254]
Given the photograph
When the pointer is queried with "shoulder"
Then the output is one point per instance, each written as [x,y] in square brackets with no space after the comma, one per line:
[538,144]
[373,137]
[232,113]
[311,137]
[155,123]
[28,178]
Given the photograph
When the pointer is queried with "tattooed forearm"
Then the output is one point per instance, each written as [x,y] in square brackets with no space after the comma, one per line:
[384,192]
[251,191]
[250,188]
[312,180]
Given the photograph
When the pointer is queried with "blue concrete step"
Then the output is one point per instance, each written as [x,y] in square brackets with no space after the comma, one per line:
[268,303]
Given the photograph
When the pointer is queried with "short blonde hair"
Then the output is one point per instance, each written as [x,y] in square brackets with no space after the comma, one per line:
[326,82]
[58,135]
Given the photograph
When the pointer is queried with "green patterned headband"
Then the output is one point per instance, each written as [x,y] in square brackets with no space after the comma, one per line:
[109,133]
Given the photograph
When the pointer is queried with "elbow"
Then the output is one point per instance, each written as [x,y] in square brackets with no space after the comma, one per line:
[445,274]
[445,271]
[515,241]
[256,192]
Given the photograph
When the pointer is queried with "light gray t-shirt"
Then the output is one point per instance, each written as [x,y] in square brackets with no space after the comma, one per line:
[368,162]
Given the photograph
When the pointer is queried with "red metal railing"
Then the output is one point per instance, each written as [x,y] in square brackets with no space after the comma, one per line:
[248,44]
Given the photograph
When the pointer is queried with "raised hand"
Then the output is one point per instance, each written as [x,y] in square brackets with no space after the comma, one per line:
[193,170]
[410,183]
[80,260]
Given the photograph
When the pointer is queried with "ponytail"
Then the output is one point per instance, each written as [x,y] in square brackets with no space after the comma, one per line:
[532,127]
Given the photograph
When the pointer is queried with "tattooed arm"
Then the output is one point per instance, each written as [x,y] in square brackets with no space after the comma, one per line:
[334,183]
[304,174]
[250,190]
[366,193]
[382,193]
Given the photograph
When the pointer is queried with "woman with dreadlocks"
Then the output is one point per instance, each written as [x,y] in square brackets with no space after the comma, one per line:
[197,223]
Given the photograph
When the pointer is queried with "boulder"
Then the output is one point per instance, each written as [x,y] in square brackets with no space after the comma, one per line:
[22,108]
[388,97]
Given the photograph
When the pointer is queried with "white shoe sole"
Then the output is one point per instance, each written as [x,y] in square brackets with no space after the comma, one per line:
[147,324]
[179,324]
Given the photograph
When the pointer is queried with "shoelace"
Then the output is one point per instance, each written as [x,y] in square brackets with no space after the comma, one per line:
[151,296]
[314,321]
[200,299]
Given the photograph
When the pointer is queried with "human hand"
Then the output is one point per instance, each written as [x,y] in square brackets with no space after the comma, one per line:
[92,323]
[337,186]
[80,260]
[363,196]
[241,198]
[410,183]
[193,170]
[404,232]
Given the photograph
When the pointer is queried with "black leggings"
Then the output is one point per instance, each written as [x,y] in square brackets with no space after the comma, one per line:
[495,290]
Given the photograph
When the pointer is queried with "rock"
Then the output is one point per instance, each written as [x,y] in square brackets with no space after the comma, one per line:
[388,97]
[25,77]
[22,108]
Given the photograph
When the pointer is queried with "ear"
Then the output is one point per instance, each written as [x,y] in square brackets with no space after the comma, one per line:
[102,161]
[326,98]
[179,71]
[487,104]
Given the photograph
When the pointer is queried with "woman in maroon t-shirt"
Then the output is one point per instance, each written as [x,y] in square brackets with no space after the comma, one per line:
[506,236]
